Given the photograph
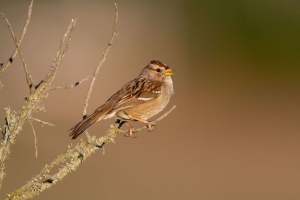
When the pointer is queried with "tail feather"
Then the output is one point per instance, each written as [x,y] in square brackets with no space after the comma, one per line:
[79,128]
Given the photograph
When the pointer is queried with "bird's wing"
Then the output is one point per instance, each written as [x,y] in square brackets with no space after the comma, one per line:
[137,91]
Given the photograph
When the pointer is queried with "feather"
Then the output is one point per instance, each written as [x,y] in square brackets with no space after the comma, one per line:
[138,91]
[79,128]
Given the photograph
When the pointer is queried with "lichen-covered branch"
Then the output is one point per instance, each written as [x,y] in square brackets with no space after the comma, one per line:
[10,60]
[69,162]
[15,121]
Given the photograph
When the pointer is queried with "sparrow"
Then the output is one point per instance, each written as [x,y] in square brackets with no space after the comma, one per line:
[138,100]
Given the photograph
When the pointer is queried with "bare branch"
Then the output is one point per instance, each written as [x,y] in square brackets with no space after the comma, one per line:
[60,54]
[3,68]
[114,35]
[70,86]
[28,77]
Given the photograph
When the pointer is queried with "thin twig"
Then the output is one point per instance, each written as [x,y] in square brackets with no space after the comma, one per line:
[114,35]
[28,77]
[35,140]
[69,86]
[42,122]
[3,68]
[60,54]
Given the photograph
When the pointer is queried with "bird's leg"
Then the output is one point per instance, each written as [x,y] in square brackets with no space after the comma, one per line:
[120,125]
[131,131]
[118,121]
[148,123]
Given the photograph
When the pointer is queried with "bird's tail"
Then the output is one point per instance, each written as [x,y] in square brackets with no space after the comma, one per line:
[79,128]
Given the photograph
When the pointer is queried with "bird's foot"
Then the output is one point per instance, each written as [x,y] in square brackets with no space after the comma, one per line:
[130,134]
[150,126]
[131,131]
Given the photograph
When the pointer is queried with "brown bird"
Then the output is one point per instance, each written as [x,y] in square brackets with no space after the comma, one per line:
[138,100]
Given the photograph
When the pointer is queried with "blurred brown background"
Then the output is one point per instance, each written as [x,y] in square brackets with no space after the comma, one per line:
[236,131]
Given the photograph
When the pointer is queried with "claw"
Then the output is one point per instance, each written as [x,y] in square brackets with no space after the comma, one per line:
[150,126]
[128,135]
[131,131]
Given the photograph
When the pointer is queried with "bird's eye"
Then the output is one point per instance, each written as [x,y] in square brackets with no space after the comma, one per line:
[158,70]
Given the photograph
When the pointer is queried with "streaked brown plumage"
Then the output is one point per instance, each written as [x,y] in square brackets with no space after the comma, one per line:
[137,100]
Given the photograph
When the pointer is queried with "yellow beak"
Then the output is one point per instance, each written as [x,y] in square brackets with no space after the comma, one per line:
[169,72]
